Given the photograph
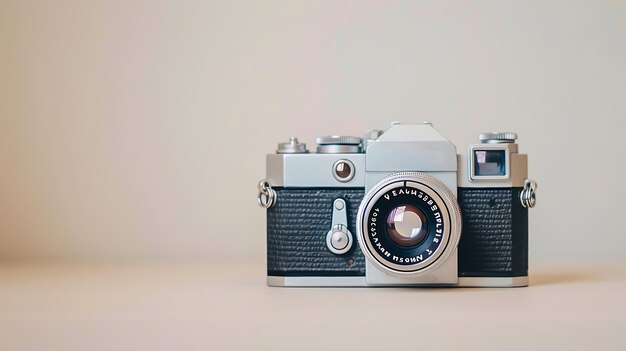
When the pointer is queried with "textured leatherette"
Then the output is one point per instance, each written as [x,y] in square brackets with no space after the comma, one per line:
[494,239]
[296,233]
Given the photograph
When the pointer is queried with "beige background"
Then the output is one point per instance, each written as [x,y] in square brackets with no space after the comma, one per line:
[133,134]
[137,130]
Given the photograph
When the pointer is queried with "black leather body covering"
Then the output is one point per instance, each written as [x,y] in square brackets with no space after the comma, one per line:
[494,240]
[296,233]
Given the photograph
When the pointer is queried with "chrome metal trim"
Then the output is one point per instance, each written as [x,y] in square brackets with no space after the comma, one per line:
[338,149]
[316,281]
[497,137]
[312,170]
[467,282]
[493,282]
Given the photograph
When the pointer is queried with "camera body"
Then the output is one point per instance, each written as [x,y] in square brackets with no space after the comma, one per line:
[398,208]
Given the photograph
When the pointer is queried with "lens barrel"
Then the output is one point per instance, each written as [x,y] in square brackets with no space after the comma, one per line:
[408,223]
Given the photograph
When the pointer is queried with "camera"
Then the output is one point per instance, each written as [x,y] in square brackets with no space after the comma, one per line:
[398,208]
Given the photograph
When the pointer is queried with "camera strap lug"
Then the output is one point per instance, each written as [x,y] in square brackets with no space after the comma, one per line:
[527,196]
[267,195]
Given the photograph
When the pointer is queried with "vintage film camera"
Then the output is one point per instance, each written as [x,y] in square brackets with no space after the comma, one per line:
[398,208]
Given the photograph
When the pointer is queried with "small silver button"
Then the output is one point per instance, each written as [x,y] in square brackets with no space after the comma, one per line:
[339,205]
[293,146]
[339,240]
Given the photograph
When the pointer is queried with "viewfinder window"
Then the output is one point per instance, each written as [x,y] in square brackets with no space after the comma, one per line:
[489,163]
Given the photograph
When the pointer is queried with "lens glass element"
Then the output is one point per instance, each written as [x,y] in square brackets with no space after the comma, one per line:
[407,225]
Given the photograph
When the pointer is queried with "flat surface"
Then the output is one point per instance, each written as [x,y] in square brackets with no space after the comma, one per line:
[217,307]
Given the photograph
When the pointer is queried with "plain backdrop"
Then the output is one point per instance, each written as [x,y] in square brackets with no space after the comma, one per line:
[137,130]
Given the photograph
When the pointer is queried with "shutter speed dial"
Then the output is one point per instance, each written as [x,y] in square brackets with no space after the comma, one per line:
[339,239]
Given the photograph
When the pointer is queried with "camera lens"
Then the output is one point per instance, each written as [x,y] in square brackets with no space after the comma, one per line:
[407,225]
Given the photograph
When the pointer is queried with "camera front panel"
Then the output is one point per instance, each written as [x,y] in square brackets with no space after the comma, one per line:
[297,227]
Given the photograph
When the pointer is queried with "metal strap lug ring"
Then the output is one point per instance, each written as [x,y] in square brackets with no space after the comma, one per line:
[267,195]
[527,196]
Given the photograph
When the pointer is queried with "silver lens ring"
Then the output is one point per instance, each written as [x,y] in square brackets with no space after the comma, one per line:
[449,212]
